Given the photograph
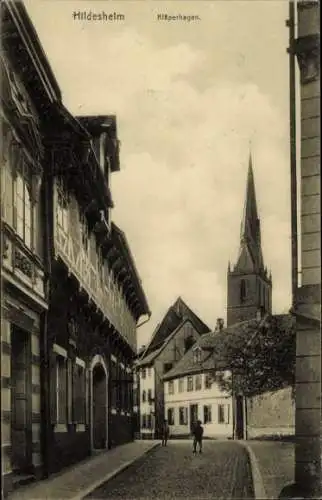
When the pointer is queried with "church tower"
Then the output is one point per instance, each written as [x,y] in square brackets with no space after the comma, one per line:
[249,285]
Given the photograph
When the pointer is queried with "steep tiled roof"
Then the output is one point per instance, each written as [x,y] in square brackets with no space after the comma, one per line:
[209,340]
[208,343]
[173,318]
[150,357]
[187,366]
[185,311]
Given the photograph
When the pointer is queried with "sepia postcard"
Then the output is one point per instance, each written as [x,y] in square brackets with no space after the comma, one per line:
[160,249]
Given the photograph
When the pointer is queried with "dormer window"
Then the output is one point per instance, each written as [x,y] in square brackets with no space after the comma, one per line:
[188,343]
[197,355]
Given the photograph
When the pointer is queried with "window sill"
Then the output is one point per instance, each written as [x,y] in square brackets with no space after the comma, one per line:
[60,428]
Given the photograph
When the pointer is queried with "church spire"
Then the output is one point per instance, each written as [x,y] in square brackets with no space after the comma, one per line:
[250,221]
[249,289]
[250,237]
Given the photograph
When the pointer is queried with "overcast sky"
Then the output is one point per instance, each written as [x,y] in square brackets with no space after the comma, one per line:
[189,98]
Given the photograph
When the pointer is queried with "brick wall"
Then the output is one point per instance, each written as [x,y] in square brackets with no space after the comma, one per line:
[271,413]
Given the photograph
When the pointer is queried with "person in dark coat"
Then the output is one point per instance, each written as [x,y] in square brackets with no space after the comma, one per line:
[165,433]
[197,432]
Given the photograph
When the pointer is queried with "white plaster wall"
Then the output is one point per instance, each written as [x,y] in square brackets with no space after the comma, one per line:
[212,396]
[146,384]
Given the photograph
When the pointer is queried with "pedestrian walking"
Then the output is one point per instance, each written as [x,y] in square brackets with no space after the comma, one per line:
[197,432]
[165,433]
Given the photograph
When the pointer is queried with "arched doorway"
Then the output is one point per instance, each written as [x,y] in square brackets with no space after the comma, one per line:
[99,405]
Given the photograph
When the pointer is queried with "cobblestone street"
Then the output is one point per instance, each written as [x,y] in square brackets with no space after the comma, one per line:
[222,471]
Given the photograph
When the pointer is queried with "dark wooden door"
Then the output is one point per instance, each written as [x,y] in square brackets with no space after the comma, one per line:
[21,441]
[193,415]
[99,408]
[239,417]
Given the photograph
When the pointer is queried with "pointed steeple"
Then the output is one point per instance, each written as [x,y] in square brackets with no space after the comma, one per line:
[250,237]
[248,286]
[249,228]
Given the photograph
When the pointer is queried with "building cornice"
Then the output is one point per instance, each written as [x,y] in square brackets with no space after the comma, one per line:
[30,43]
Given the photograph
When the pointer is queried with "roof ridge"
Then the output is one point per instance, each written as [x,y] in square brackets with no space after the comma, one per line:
[167,340]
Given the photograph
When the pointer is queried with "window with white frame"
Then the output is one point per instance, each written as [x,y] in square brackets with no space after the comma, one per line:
[143,396]
[79,392]
[143,373]
[181,384]
[170,415]
[198,382]
[143,421]
[62,206]
[150,395]
[23,209]
[183,415]
[171,387]
[197,352]
[208,381]
[189,383]
[7,175]
[207,417]
[223,413]
[61,390]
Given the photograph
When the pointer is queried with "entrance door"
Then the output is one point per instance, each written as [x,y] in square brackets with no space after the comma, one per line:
[99,407]
[21,436]
[239,417]
[193,415]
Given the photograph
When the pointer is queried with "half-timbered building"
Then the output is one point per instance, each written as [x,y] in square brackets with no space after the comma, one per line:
[96,297]
[72,294]
[28,93]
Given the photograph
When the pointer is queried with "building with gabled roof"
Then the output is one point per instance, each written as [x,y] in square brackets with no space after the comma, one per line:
[172,319]
[192,392]
[178,331]
[190,389]
[72,295]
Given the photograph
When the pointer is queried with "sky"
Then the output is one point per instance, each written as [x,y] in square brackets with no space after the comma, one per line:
[191,99]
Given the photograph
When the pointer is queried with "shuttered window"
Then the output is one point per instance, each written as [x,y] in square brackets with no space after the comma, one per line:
[62,206]
[53,389]
[79,394]
[223,414]
[61,388]
[207,417]
[114,386]
[183,416]
[23,210]
[7,179]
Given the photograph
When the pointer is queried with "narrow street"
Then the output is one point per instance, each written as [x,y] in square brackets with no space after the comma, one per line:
[222,471]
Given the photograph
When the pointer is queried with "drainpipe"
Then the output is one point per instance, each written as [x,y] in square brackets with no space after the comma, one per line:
[47,213]
[290,23]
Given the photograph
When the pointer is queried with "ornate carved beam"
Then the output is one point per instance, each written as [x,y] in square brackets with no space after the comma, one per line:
[307,50]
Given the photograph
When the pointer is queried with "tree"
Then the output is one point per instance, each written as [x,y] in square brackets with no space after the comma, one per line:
[259,356]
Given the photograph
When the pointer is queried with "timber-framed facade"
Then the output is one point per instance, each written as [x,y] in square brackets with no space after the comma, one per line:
[72,296]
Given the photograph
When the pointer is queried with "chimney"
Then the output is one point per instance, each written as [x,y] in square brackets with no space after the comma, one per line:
[219,324]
